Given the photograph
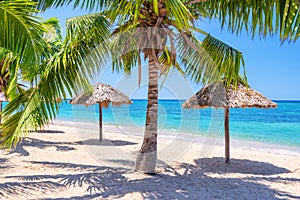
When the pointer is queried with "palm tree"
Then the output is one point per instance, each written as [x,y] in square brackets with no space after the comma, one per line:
[163,31]
[25,41]
[53,67]
[21,42]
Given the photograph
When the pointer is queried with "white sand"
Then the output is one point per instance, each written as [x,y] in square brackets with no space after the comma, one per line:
[69,163]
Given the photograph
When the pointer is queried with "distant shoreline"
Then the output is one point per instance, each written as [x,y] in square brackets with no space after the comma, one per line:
[275,100]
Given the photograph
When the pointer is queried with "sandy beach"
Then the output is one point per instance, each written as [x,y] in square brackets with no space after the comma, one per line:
[64,162]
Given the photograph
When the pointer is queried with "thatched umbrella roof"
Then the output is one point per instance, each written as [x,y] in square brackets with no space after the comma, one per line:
[216,95]
[103,95]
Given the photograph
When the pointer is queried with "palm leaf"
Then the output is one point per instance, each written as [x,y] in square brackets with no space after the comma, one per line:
[17,21]
[124,49]
[227,59]
[267,17]
[179,13]
[196,61]
[168,61]
[124,11]
[209,60]
[90,5]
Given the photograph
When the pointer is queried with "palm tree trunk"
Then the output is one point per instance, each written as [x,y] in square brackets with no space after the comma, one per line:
[147,156]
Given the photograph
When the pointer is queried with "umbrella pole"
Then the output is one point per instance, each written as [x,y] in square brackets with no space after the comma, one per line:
[100,122]
[227,142]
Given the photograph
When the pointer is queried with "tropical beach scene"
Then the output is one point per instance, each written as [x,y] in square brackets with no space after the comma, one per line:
[149,99]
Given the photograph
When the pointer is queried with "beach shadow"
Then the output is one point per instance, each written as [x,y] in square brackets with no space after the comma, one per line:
[41,144]
[4,163]
[106,182]
[115,184]
[243,166]
[48,131]
[93,177]
[105,142]
[66,165]
[128,163]
[11,190]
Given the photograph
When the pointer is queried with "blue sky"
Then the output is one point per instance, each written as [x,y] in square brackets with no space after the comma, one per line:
[272,68]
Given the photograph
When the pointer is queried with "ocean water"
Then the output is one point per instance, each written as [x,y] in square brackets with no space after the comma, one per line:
[272,126]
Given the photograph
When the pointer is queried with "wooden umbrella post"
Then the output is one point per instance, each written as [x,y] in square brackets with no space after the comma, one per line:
[100,122]
[227,142]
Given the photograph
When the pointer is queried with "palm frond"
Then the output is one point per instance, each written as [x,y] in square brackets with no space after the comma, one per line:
[52,33]
[89,5]
[124,11]
[179,13]
[257,17]
[124,49]
[10,71]
[96,23]
[86,43]
[197,62]
[17,21]
[209,60]
[168,61]
[227,59]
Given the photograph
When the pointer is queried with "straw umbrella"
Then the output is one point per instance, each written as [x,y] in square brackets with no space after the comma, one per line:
[216,95]
[103,95]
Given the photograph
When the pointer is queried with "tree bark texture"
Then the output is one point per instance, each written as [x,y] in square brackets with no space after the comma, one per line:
[147,156]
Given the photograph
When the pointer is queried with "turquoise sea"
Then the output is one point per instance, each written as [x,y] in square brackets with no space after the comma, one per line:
[272,126]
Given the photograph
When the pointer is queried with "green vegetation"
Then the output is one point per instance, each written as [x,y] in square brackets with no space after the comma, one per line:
[33,51]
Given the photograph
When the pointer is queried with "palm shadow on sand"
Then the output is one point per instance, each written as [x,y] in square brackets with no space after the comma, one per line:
[62,146]
[104,182]
[4,164]
[41,144]
[243,166]
[106,142]
[48,131]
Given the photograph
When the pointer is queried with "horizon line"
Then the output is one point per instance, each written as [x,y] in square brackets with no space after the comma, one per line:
[166,99]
